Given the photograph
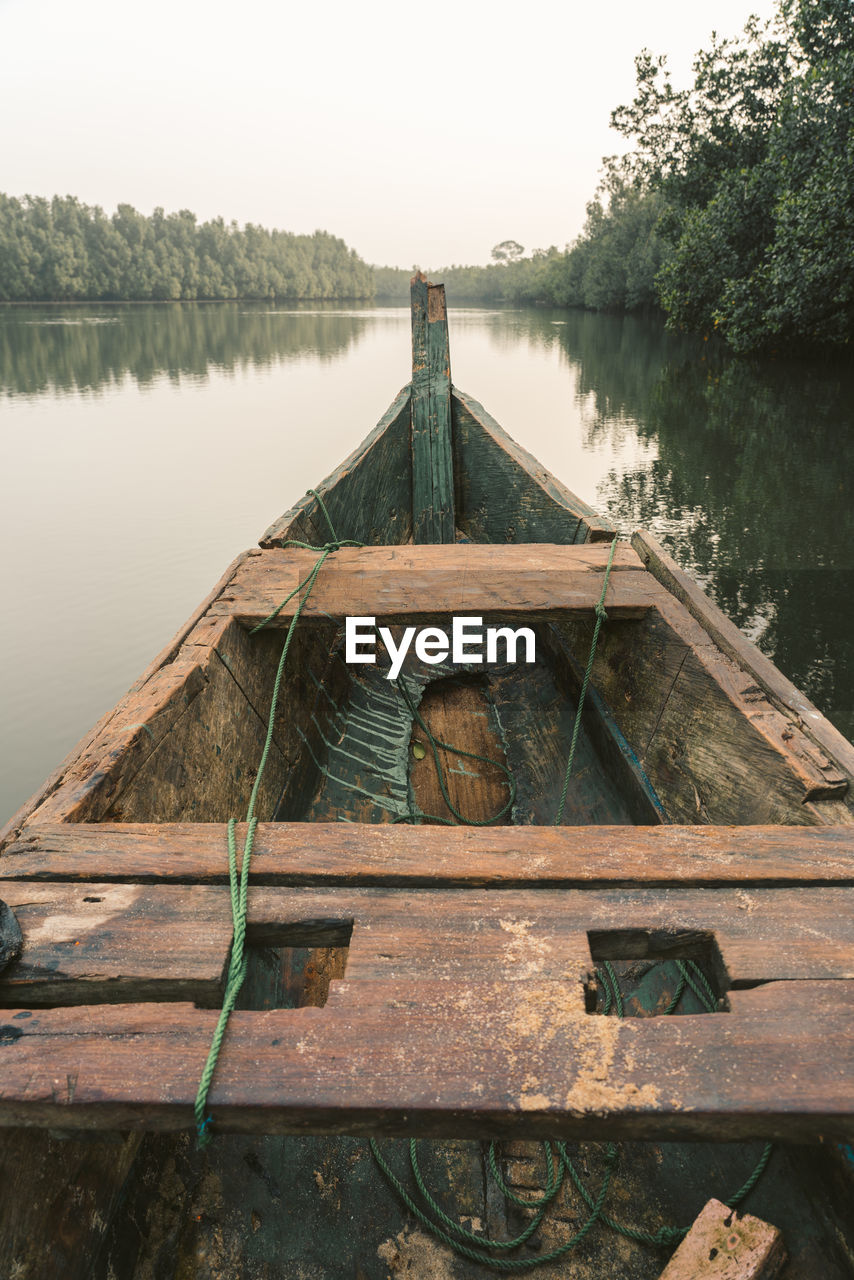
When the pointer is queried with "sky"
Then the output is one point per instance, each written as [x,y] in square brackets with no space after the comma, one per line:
[422,134]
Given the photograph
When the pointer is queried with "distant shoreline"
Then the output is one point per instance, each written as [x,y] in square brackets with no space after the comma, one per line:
[163,302]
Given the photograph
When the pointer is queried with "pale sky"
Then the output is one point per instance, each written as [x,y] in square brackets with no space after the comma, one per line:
[419,133]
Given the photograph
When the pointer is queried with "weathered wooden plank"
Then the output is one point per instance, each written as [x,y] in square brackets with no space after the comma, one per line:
[432,457]
[461,714]
[336,853]
[427,580]
[616,764]
[475,1059]
[138,725]
[93,943]
[712,744]
[503,494]
[723,1245]
[762,934]
[368,497]
[101,935]
[60,1192]
[742,651]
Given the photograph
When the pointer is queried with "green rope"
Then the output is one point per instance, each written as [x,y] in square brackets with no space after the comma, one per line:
[601,616]
[460,1240]
[239,882]
[691,975]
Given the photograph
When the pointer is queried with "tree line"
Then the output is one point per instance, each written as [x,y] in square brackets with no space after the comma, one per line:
[61,250]
[733,210]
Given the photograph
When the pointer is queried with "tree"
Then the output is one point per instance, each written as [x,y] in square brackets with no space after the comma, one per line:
[755,165]
[507,251]
[62,250]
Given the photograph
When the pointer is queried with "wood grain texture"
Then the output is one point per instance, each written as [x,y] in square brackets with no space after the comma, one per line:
[432,458]
[459,712]
[93,943]
[336,853]
[781,692]
[181,747]
[430,580]
[368,497]
[725,1245]
[91,933]
[481,1058]
[503,494]
[714,747]
[60,1192]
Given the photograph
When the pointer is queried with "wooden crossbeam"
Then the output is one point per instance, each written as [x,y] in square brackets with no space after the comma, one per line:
[460,578]
[298,853]
[90,932]
[469,1059]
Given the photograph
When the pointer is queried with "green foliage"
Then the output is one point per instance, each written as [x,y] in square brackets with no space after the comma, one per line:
[611,267]
[62,250]
[613,264]
[755,166]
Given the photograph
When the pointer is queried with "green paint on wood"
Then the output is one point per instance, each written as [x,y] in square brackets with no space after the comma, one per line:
[503,494]
[432,454]
[368,496]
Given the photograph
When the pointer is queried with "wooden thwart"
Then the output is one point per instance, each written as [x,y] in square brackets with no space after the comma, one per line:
[461,1059]
[90,931]
[462,1010]
[461,578]
[297,853]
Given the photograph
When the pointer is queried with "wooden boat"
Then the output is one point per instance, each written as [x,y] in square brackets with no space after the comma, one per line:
[407,977]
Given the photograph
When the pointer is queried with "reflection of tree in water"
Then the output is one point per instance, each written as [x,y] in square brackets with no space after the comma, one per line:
[751,490]
[88,348]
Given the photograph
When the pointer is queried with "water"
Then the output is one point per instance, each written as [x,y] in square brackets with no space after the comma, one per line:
[144,446]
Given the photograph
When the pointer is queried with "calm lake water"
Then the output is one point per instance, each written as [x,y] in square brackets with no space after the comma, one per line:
[145,446]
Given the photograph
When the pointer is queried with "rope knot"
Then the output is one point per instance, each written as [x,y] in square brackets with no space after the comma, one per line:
[600,611]
[669,1235]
